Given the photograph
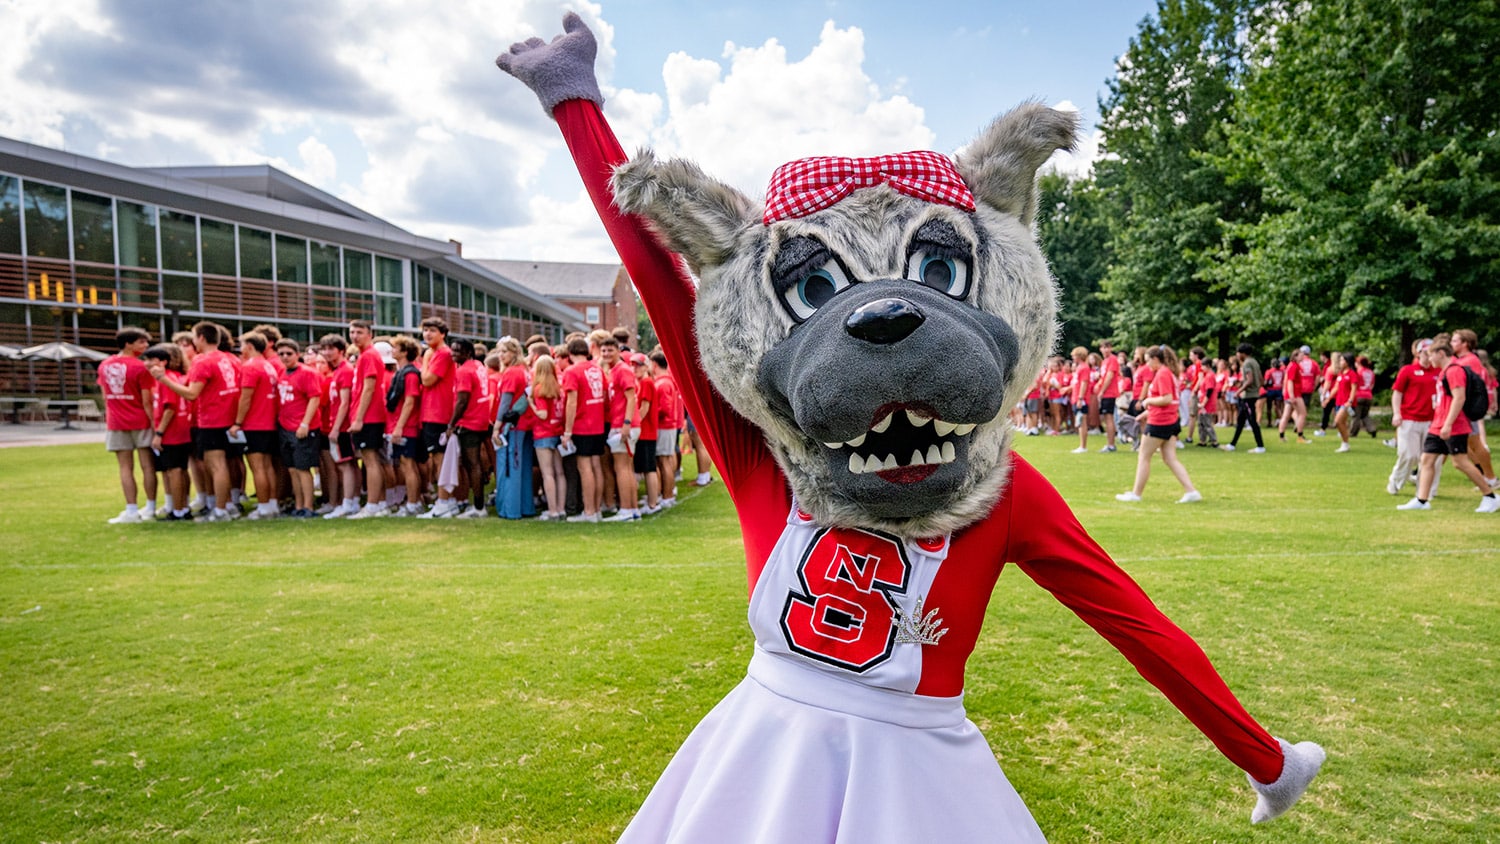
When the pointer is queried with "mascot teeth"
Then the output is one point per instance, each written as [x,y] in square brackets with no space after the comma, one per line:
[942,428]
[916,419]
[879,427]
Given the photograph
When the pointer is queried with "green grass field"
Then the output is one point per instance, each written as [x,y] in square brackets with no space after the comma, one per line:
[416,681]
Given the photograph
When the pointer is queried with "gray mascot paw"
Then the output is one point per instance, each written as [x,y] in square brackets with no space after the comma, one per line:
[561,70]
[1300,765]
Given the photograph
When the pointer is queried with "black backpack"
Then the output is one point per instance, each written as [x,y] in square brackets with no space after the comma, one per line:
[396,393]
[1476,398]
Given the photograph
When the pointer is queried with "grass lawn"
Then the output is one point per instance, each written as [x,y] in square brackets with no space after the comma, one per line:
[496,681]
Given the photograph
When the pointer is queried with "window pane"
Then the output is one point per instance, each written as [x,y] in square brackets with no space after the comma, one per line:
[358,270]
[46,221]
[93,228]
[467,293]
[137,235]
[10,215]
[389,275]
[180,291]
[291,259]
[453,295]
[179,242]
[325,264]
[390,311]
[255,253]
[218,247]
[424,284]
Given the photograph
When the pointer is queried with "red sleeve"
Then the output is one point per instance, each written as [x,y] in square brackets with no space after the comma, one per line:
[736,446]
[1065,560]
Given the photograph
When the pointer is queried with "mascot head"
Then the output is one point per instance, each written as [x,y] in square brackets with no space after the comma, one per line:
[875,317]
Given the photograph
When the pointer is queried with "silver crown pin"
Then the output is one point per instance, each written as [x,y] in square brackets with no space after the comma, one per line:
[917,629]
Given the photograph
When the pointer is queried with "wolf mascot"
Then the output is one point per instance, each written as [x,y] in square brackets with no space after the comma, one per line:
[848,358]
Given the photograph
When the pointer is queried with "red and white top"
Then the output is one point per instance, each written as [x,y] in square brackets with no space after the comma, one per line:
[180,430]
[296,388]
[219,401]
[437,399]
[259,377]
[587,380]
[123,378]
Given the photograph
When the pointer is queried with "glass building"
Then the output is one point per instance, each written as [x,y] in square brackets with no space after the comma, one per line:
[87,246]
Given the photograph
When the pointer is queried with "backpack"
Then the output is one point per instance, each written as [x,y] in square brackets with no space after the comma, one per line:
[1476,398]
[396,393]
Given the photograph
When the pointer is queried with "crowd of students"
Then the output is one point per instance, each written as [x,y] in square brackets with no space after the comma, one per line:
[1150,399]
[586,431]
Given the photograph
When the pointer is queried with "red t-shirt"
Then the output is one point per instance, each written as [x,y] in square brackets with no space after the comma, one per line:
[325,408]
[1208,392]
[645,391]
[1083,383]
[546,416]
[1163,383]
[368,365]
[667,401]
[1364,385]
[260,378]
[1191,376]
[342,378]
[219,401]
[1344,387]
[122,378]
[472,379]
[1291,386]
[180,430]
[414,421]
[437,400]
[1142,377]
[295,388]
[1454,379]
[1110,372]
[1416,384]
[587,380]
[275,361]
[621,378]
[1307,372]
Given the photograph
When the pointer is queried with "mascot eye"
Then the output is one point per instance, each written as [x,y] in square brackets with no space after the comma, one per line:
[940,272]
[813,290]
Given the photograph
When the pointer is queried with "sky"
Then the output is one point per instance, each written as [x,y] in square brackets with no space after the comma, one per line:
[397,107]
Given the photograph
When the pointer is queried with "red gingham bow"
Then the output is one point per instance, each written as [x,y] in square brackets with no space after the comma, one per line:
[807,185]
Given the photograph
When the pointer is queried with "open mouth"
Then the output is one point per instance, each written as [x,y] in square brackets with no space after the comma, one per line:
[906,443]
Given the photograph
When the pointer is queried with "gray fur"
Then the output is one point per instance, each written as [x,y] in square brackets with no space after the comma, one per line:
[1300,763]
[740,320]
[562,70]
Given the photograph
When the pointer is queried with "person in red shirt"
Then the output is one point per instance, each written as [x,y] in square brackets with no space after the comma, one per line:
[255,417]
[546,411]
[1325,392]
[644,460]
[213,382]
[172,432]
[406,429]
[586,395]
[299,393]
[1207,407]
[1449,435]
[1163,423]
[470,423]
[1293,391]
[1192,379]
[1364,397]
[127,389]
[367,423]
[515,496]
[1107,392]
[438,371]
[1345,385]
[341,444]
[1465,343]
[667,398]
[620,470]
[1079,394]
[1412,398]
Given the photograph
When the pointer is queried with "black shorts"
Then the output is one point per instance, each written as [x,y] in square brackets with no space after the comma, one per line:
[298,454]
[370,437]
[260,442]
[645,457]
[589,445]
[410,448]
[210,439]
[432,434]
[174,456]
[1273,395]
[346,448]
[1456,444]
[1107,406]
[1164,432]
[469,439]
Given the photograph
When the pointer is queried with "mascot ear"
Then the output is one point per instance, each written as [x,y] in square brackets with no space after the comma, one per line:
[1000,165]
[695,215]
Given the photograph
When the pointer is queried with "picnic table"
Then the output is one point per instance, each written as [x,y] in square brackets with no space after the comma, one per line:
[18,402]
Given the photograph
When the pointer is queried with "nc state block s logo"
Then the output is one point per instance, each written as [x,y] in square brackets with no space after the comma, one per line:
[844,615]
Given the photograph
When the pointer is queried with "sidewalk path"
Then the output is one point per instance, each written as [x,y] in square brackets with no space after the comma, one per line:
[46,433]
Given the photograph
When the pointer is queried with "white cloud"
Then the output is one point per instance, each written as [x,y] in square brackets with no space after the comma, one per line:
[318,163]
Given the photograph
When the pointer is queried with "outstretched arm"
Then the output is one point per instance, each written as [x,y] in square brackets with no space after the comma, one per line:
[1067,562]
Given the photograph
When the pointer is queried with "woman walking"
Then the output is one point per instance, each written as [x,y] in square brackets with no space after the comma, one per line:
[1162,426]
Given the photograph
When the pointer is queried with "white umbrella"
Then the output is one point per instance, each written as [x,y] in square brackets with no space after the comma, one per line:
[8,352]
[61,352]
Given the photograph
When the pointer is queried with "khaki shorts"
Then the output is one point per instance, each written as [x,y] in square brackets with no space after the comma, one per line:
[127,440]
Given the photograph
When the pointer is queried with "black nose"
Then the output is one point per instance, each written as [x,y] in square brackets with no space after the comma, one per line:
[884,320]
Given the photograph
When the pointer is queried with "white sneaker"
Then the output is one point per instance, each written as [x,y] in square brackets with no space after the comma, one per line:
[1109,449]
[704,480]
[1079,450]
[473,513]
[590,518]
[1493,482]
[1388,443]
[1258,450]
[1127,496]
[1393,489]
[1227,447]
[1488,504]
[625,516]
[1414,504]
[668,503]
[258,514]
[1341,449]
[1190,497]
[127,517]
[340,512]
[1180,445]
[650,511]
[441,510]
[1320,433]
[370,511]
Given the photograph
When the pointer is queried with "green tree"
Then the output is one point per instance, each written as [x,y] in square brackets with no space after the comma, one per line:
[1073,226]
[1372,125]
[1164,126]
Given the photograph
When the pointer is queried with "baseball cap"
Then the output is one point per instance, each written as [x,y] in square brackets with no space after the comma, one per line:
[637,359]
[1424,344]
[386,352]
[1306,350]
